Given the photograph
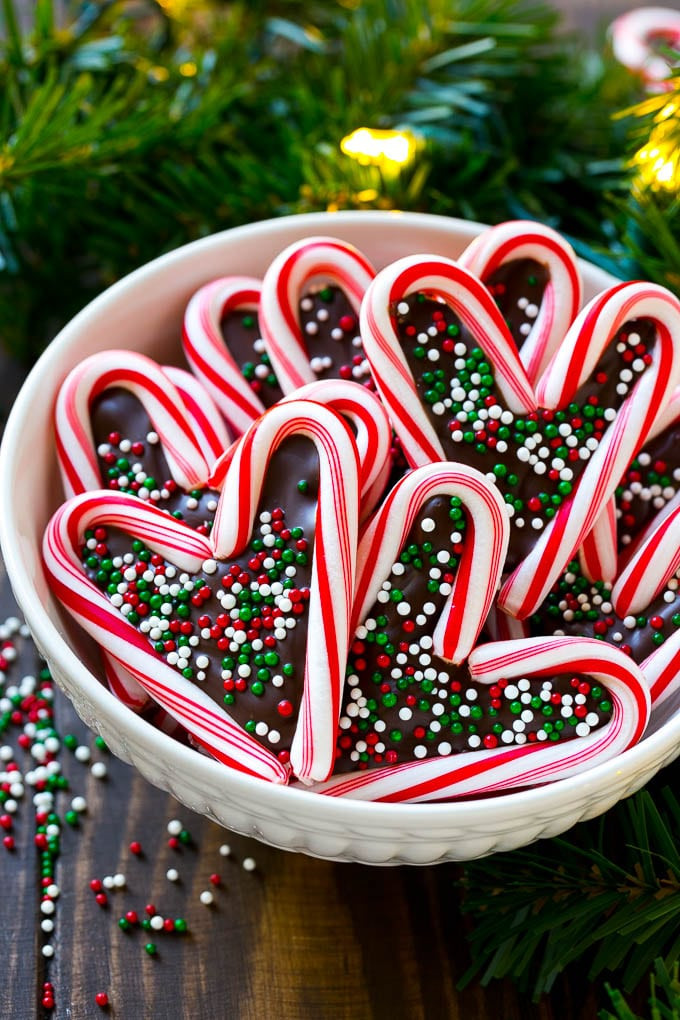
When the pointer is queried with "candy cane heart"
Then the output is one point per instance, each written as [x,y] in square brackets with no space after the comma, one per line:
[469,299]
[256,614]
[532,272]
[309,310]
[145,380]
[222,343]
[429,564]
[592,334]
[512,663]
[104,621]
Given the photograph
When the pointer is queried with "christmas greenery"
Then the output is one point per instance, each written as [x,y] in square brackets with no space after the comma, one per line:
[131,127]
[664,1000]
[607,896]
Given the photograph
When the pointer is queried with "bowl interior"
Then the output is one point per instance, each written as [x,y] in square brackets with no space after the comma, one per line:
[144,312]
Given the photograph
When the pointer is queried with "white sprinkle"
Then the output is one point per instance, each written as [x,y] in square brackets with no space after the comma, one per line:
[206,898]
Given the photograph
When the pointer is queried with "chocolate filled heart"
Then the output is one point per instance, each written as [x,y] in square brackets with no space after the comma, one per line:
[241,634]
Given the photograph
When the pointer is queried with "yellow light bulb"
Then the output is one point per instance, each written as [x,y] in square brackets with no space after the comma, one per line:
[379,147]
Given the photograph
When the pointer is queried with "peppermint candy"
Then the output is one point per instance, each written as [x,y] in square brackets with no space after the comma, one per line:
[637,38]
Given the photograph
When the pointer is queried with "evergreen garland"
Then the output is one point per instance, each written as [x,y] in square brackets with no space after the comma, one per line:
[137,127]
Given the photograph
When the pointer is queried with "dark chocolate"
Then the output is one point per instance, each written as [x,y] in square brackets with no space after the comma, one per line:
[241,333]
[518,287]
[652,480]
[580,608]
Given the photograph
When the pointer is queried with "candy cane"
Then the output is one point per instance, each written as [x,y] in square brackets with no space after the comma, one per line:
[160,399]
[598,554]
[594,328]
[185,701]
[484,772]
[207,423]
[481,561]
[208,354]
[188,422]
[333,566]
[524,239]
[473,304]
[632,35]
[656,560]
[373,435]
[282,287]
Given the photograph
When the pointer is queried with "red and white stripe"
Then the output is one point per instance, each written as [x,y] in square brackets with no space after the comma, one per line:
[333,564]
[655,561]
[635,37]
[594,328]
[125,645]
[598,554]
[371,427]
[373,434]
[205,420]
[207,353]
[479,570]
[312,258]
[161,400]
[473,773]
[662,670]
[472,303]
[524,239]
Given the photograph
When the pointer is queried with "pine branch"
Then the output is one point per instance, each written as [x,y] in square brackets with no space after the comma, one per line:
[662,983]
[608,897]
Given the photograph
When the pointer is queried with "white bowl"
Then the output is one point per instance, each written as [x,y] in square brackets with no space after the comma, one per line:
[144,312]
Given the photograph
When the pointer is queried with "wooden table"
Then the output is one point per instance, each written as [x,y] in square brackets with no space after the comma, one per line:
[294,939]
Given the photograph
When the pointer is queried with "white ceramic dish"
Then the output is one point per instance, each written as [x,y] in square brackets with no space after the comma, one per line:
[143,312]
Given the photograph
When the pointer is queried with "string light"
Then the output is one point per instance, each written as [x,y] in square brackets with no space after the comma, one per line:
[388,150]
[657,162]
